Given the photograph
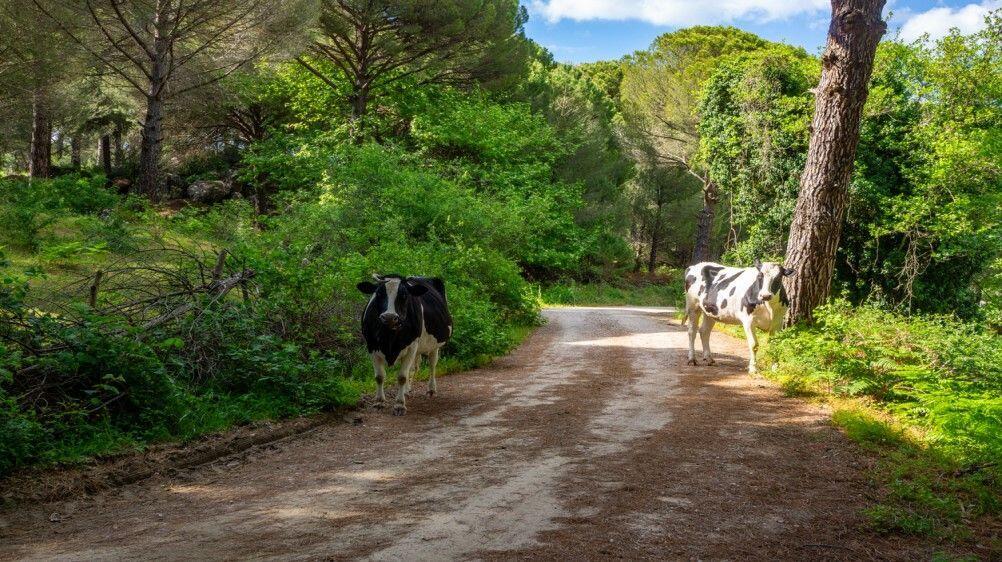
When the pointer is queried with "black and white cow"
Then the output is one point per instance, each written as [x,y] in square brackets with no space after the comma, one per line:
[406,318]
[751,296]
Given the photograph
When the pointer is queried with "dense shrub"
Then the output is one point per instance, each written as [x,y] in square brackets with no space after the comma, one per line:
[935,373]
[84,384]
[375,211]
[26,208]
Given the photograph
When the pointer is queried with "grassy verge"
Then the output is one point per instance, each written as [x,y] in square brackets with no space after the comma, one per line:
[661,289]
[922,394]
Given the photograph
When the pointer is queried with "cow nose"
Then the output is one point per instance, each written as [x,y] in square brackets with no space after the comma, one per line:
[389,318]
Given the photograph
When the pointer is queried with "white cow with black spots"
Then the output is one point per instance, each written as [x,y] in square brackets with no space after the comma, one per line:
[750,296]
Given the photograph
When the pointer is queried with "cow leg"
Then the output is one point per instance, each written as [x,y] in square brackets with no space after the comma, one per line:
[379,366]
[752,345]
[693,313]
[413,373]
[400,408]
[432,364]
[704,338]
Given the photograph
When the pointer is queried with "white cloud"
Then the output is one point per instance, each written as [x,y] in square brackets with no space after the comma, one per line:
[938,21]
[677,12]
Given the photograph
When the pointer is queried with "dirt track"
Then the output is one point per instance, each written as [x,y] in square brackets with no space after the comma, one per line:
[592,441]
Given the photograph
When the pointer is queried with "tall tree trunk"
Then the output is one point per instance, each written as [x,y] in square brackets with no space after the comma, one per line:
[847,63]
[152,133]
[60,145]
[117,138]
[106,155]
[359,102]
[40,160]
[76,146]
[149,148]
[652,261]
[704,223]
[652,258]
[362,81]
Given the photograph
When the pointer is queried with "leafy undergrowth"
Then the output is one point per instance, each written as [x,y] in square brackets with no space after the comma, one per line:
[922,393]
[661,289]
[162,354]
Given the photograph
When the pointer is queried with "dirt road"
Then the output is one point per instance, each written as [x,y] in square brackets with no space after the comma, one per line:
[592,441]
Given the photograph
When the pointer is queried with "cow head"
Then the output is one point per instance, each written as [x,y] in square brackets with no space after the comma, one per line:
[391,296]
[771,275]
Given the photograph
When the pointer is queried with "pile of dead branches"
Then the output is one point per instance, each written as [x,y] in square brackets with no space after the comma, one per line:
[152,294]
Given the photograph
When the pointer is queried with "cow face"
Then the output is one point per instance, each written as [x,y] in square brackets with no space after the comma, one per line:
[771,275]
[390,299]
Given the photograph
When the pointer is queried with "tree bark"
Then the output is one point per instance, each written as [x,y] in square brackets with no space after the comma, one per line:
[76,146]
[106,155]
[152,133]
[359,101]
[704,223]
[149,148]
[40,159]
[117,138]
[652,260]
[847,63]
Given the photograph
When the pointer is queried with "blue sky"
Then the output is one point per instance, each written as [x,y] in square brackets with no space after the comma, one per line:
[589,30]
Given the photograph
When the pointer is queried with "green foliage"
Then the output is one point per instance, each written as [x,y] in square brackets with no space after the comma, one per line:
[755,111]
[923,230]
[372,46]
[492,134]
[659,97]
[514,159]
[607,76]
[935,375]
[661,289]
[27,208]
[378,211]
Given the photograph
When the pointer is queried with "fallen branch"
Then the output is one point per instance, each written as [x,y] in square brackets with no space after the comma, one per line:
[217,289]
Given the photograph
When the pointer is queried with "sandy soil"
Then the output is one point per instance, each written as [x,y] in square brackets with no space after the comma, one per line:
[592,441]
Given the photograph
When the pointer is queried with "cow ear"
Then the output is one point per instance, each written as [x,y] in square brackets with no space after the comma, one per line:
[416,290]
[758,264]
[789,272]
[366,287]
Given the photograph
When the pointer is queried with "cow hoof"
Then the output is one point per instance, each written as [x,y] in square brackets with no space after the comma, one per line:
[710,362]
[431,392]
[399,410]
[691,362]
[379,404]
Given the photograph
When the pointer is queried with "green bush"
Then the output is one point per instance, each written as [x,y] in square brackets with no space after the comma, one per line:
[936,373]
[26,208]
[377,212]
[661,289]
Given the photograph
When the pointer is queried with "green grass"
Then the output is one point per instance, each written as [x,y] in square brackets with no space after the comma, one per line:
[920,394]
[664,289]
